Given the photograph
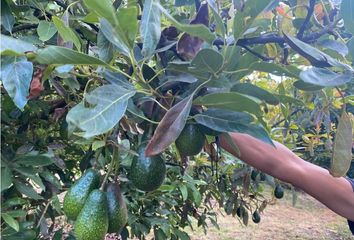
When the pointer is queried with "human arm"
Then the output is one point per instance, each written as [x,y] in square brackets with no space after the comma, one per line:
[279,162]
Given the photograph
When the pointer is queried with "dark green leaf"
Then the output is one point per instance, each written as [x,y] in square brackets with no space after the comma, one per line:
[207,60]
[15,45]
[6,178]
[7,19]
[254,91]
[61,56]
[46,30]
[172,123]
[27,190]
[287,99]
[30,173]
[127,25]
[16,75]
[231,101]
[315,56]
[306,86]
[324,77]
[150,28]
[117,79]
[342,149]
[12,202]
[66,32]
[10,221]
[179,3]
[347,13]
[34,160]
[102,8]
[108,102]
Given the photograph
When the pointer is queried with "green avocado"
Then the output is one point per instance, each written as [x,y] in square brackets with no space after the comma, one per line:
[147,173]
[117,209]
[191,140]
[92,222]
[256,218]
[240,211]
[75,198]
[254,174]
[279,191]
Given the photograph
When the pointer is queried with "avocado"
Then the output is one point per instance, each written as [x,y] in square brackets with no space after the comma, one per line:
[147,173]
[254,174]
[256,218]
[240,211]
[263,176]
[92,222]
[117,209]
[279,191]
[191,140]
[75,198]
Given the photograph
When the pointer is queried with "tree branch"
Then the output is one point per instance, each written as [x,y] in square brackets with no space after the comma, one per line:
[305,24]
[264,58]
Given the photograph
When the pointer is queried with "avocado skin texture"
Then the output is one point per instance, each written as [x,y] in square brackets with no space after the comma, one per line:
[92,222]
[117,209]
[147,173]
[279,191]
[240,211]
[191,140]
[75,198]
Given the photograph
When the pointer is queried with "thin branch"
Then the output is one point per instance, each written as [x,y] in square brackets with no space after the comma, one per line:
[305,24]
[264,58]
[21,28]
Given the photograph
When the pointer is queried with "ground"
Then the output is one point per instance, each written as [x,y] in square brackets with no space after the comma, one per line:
[309,219]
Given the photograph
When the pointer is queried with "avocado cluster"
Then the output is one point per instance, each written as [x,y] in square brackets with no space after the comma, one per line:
[95,212]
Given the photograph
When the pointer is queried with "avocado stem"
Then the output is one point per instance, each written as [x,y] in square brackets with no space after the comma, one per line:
[110,168]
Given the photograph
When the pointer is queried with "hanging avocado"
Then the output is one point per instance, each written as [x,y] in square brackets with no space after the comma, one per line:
[117,209]
[279,191]
[147,173]
[191,140]
[92,222]
[75,198]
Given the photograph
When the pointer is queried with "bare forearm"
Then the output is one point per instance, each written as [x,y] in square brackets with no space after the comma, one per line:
[281,163]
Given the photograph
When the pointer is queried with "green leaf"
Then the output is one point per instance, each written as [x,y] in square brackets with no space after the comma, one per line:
[34,160]
[12,202]
[347,13]
[46,30]
[257,92]
[184,191]
[172,123]
[128,25]
[107,106]
[196,30]
[315,56]
[7,19]
[102,8]
[105,48]
[16,75]
[61,56]
[342,149]
[207,60]
[231,101]
[15,45]
[324,77]
[27,190]
[306,86]
[6,178]
[66,32]
[31,174]
[222,120]
[245,18]
[229,121]
[275,69]
[10,221]
[114,36]
[150,28]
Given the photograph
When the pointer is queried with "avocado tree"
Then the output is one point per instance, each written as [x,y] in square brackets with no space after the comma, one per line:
[112,110]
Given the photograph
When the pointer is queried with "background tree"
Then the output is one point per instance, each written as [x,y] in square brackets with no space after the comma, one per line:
[101,84]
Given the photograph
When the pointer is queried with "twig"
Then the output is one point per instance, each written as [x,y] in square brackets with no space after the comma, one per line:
[305,24]
[280,121]
[43,213]
[264,58]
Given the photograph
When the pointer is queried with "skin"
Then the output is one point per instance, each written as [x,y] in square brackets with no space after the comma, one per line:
[279,162]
